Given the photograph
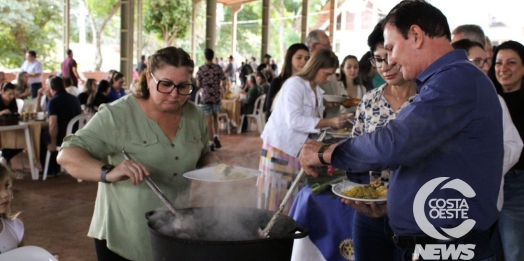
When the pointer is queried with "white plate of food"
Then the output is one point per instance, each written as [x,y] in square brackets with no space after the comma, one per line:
[221,173]
[334,98]
[340,133]
[376,192]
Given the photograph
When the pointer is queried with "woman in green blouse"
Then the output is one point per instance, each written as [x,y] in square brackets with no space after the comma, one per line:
[165,136]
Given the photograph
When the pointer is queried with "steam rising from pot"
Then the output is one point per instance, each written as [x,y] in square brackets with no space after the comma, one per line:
[211,223]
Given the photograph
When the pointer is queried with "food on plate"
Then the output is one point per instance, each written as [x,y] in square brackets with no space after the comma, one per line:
[222,169]
[364,192]
[225,171]
[343,131]
[382,191]
[376,184]
[375,190]
[351,102]
[235,175]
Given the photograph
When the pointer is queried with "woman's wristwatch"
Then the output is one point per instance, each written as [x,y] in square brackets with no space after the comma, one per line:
[103,172]
[321,153]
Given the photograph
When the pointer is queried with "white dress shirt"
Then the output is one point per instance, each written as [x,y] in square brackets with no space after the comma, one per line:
[34,67]
[295,116]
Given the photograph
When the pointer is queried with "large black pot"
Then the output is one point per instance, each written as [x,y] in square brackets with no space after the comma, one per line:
[224,233]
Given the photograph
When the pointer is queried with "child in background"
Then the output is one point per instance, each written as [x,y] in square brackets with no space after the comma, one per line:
[12,228]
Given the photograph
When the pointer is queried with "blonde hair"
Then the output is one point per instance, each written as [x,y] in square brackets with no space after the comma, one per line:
[322,59]
[20,85]
[6,172]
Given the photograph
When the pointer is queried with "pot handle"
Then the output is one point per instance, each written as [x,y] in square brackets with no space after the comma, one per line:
[303,232]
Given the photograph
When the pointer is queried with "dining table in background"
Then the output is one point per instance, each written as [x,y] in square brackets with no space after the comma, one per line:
[25,135]
[232,108]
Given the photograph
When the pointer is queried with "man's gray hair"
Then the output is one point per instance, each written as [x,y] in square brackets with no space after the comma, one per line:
[314,37]
[472,32]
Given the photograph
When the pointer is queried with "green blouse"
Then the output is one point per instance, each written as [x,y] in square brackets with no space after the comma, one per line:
[119,209]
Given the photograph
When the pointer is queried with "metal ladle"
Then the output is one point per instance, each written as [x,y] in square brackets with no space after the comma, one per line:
[264,233]
[183,223]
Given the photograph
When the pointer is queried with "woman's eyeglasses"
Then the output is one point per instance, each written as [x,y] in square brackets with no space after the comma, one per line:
[479,62]
[377,62]
[168,86]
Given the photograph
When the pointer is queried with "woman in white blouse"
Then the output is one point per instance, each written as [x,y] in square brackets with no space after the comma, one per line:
[297,114]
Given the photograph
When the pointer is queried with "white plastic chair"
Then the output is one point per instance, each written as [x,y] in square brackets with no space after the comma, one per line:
[219,115]
[258,114]
[20,105]
[82,120]
[30,105]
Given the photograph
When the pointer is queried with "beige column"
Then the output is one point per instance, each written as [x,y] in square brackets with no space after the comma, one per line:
[304,26]
[235,8]
[211,20]
[332,21]
[265,29]
[126,39]
[139,22]
[65,27]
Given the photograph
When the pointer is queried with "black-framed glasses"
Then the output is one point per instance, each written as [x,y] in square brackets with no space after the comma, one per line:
[377,62]
[168,86]
[479,62]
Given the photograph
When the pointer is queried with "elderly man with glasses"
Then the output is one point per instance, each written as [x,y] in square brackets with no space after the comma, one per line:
[317,40]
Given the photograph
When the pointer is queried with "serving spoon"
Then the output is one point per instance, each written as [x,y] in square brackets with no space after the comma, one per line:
[182,223]
[265,232]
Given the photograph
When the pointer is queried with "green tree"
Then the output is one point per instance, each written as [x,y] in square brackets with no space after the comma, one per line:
[168,19]
[99,13]
[25,25]
[284,29]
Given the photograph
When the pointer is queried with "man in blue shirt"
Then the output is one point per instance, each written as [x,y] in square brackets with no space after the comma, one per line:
[61,109]
[445,150]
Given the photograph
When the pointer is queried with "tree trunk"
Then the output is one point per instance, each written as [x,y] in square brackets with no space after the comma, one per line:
[172,37]
[98,50]
[283,48]
[282,24]
[166,37]
[96,41]
[97,31]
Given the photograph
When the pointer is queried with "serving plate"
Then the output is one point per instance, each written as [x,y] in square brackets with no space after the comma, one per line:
[339,135]
[346,185]
[208,174]
[334,98]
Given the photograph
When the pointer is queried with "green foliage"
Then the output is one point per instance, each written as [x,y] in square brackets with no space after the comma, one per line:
[168,19]
[285,27]
[100,9]
[25,25]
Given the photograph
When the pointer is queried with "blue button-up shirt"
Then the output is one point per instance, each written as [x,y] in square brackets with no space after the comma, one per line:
[452,129]
[114,95]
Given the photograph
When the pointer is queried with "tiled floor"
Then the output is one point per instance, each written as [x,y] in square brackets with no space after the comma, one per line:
[57,212]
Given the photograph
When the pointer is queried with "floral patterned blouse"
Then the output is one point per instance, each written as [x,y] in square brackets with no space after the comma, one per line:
[374,112]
